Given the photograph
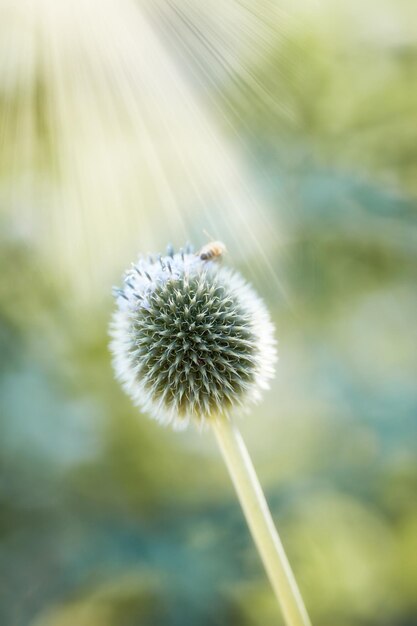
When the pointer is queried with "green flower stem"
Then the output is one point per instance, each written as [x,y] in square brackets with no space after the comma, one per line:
[260,522]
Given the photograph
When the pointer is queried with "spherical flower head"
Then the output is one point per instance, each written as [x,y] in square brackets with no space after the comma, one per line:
[191,340]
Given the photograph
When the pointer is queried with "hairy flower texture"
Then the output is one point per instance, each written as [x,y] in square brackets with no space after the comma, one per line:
[190,339]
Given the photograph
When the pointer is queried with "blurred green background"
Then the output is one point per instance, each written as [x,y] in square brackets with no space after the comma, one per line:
[289,131]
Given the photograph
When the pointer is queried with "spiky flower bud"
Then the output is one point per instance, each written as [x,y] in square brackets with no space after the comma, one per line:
[190,339]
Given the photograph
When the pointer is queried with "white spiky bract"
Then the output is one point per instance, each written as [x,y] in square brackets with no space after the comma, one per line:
[190,339]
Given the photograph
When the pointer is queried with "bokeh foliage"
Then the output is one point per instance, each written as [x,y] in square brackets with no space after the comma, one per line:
[105,518]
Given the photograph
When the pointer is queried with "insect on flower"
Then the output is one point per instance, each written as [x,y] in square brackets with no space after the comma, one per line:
[191,340]
[212,250]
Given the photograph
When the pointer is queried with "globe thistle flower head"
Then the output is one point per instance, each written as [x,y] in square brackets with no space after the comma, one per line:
[190,338]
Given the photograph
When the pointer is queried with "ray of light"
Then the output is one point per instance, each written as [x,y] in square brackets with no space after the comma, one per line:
[120,149]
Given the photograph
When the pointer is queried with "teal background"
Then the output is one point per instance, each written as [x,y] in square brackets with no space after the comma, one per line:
[288,131]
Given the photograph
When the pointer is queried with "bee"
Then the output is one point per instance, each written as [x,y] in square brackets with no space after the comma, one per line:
[212,250]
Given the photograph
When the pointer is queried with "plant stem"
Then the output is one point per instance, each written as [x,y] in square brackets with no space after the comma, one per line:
[260,522]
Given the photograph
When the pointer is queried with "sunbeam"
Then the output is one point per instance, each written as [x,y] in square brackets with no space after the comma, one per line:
[121,148]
